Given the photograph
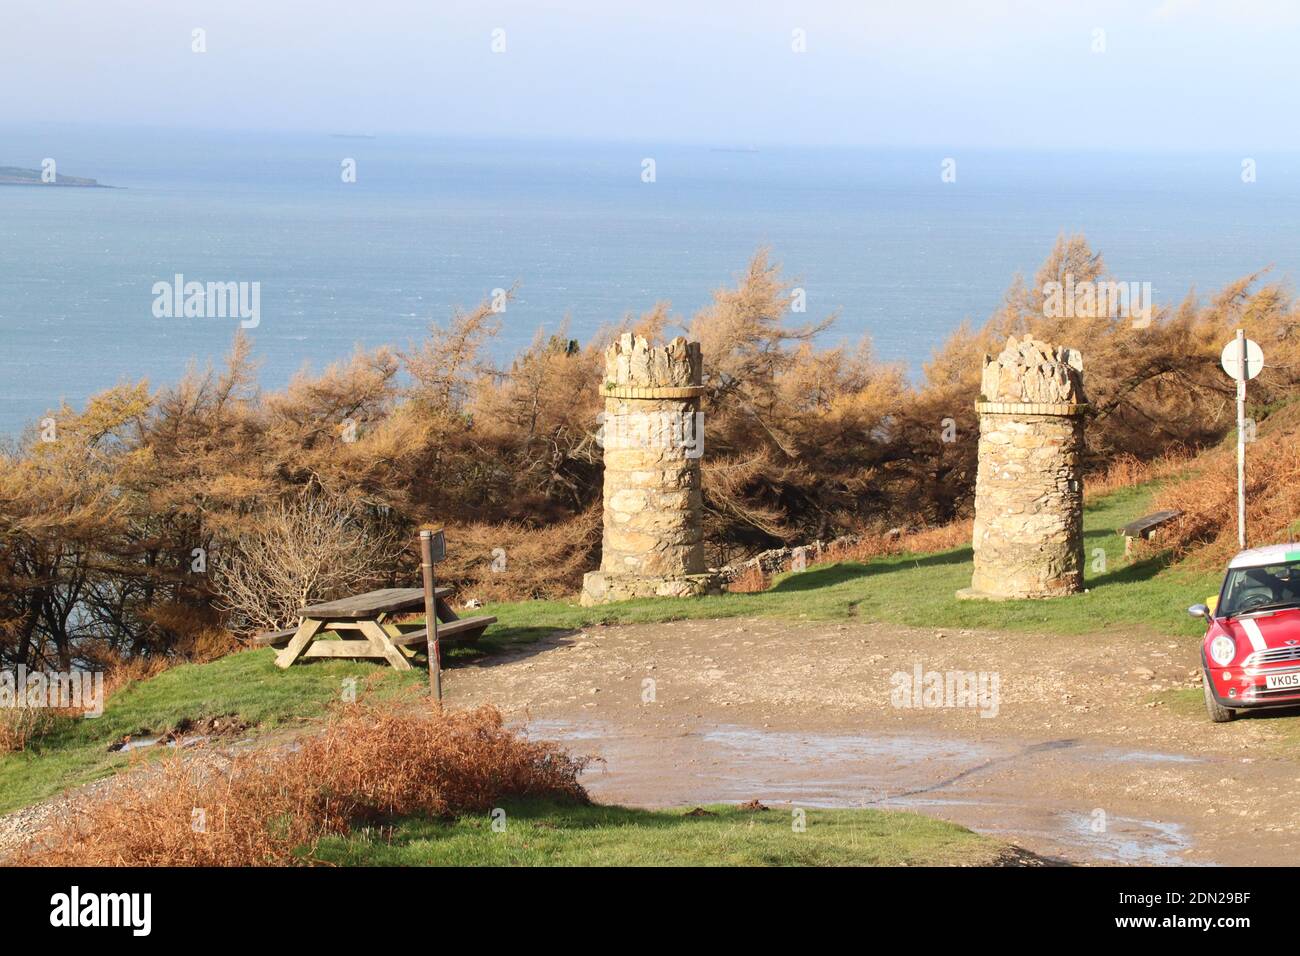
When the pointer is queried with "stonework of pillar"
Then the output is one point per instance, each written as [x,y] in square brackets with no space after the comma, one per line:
[1028,538]
[653,438]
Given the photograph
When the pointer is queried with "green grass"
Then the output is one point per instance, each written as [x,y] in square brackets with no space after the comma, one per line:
[1183,701]
[539,833]
[920,590]
[247,684]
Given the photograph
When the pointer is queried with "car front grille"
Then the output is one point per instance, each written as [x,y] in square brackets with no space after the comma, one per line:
[1272,655]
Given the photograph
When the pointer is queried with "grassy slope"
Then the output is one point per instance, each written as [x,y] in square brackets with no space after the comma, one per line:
[248,684]
[539,833]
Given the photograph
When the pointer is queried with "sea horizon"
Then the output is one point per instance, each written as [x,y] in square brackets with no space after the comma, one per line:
[879,236]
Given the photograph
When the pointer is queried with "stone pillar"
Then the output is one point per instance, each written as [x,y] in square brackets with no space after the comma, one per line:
[1028,538]
[653,437]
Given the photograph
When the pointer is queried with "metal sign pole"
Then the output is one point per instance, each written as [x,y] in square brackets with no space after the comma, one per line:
[1241,439]
[431,616]
[1242,360]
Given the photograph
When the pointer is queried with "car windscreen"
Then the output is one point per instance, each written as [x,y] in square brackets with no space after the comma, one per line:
[1263,588]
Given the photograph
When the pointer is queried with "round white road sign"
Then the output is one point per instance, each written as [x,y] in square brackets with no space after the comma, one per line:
[1231,359]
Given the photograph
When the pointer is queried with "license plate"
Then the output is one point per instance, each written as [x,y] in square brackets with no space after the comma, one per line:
[1282,681]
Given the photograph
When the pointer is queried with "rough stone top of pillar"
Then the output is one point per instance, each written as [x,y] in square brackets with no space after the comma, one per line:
[633,361]
[1032,372]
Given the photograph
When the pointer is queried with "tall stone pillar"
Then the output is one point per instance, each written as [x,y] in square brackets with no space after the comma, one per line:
[653,437]
[1028,538]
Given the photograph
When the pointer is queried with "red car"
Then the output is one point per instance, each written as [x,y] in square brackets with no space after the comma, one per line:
[1251,651]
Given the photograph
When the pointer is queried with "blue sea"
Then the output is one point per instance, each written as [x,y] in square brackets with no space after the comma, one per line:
[874,236]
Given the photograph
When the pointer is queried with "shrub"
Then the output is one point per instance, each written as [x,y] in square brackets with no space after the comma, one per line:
[515,561]
[1126,470]
[311,549]
[1206,533]
[369,766]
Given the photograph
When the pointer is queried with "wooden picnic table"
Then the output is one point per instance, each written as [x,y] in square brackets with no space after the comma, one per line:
[363,626]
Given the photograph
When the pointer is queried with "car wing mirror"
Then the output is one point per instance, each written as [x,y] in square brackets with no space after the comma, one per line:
[1199,610]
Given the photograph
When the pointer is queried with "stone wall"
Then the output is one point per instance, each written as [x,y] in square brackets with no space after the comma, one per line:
[653,437]
[1028,537]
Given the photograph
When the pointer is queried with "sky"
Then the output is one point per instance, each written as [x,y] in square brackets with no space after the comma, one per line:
[1131,74]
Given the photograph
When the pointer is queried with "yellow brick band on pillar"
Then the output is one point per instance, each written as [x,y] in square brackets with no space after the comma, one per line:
[1028,535]
[1030,408]
[652,394]
[652,432]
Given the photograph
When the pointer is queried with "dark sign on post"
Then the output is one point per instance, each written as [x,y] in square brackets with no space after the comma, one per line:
[439,549]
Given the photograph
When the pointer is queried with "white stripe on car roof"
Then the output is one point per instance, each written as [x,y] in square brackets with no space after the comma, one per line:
[1272,554]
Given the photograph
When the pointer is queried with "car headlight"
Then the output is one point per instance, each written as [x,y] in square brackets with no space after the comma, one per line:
[1223,649]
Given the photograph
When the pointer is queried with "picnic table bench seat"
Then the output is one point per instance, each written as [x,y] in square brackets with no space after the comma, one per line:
[465,629]
[274,638]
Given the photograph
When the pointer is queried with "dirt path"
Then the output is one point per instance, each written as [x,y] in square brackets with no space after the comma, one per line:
[1085,759]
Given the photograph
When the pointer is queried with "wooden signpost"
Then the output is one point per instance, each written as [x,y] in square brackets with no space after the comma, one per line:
[433,548]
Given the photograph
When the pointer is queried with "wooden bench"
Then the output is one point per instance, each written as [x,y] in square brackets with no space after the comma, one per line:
[1145,527]
[462,630]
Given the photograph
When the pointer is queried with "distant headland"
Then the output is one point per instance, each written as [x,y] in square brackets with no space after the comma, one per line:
[16,176]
